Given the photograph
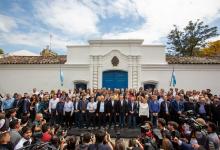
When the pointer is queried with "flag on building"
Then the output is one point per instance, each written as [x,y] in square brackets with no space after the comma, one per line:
[173,79]
[61,77]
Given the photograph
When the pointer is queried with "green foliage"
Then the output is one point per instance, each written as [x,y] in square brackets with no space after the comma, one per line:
[1,51]
[211,50]
[191,39]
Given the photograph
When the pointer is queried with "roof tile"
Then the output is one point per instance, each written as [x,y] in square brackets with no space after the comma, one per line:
[61,59]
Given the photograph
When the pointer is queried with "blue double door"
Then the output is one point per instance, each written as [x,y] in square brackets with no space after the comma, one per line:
[115,79]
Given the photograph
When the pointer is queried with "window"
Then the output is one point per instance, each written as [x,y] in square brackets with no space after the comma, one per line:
[150,85]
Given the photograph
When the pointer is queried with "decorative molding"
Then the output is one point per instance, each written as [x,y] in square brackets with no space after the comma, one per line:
[115,61]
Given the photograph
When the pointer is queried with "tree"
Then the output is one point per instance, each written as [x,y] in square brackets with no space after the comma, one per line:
[212,49]
[47,52]
[193,37]
[1,51]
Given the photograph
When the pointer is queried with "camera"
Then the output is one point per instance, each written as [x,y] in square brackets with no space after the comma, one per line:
[118,135]
[190,119]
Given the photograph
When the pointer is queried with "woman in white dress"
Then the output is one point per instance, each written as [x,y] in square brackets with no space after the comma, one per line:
[144,109]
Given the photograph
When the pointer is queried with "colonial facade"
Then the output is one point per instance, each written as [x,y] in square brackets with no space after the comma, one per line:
[109,64]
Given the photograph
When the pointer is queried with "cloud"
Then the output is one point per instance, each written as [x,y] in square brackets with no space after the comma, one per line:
[74,21]
[7,23]
[39,40]
[160,16]
[16,8]
[70,17]
[109,8]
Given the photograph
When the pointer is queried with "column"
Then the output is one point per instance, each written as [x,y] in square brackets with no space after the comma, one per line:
[91,73]
[95,73]
[99,71]
[139,71]
[130,72]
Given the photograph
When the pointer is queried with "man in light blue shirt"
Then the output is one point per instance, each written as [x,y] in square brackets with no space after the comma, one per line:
[8,103]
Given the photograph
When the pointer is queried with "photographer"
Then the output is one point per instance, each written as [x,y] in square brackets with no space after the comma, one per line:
[185,146]
[70,143]
[39,120]
[148,140]
[47,133]
[212,136]
[85,141]
[5,141]
[26,138]
[103,141]
[135,144]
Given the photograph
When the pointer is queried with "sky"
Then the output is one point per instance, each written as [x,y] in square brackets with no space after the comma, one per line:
[28,24]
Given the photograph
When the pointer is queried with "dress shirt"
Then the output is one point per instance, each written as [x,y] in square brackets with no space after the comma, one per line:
[102,107]
[76,106]
[112,103]
[21,143]
[91,107]
[166,107]
[68,106]
[202,109]
[122,103]
[8,103]
[53,104]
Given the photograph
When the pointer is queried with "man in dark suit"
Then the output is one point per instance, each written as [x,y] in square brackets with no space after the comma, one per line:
[76,112]
[111,110]
[215,109]
[132,112]
[83,112]
[177,108]
[165,109]
[203,109]
[122,107]
[101,111]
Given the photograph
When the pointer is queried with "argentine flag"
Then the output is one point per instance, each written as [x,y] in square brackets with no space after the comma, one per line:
[61,77]
[173,79]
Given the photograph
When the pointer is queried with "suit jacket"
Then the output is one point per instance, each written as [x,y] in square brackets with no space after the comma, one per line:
[135,107]
[176,108]
[122,108]
[163,107]
[76,107]
[98,107]
[215,112]
[189,106]
[111,108]
[207,108]
[81,104]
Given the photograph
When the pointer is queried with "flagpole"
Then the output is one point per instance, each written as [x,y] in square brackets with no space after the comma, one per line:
[171,78]
[61,75]
[50,40]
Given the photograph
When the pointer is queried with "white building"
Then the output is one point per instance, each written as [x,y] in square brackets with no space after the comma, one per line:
[110,64]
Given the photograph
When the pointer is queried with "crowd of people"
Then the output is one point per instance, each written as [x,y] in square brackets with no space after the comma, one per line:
[173,119]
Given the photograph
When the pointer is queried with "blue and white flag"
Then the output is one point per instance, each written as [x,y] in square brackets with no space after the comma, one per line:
[173,79]
[61,77]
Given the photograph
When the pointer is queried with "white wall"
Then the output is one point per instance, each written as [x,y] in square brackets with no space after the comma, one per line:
[149,54]
[147,62]
[23,78]
[188,77]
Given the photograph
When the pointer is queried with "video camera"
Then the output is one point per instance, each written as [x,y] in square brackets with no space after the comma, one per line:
[190,118]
